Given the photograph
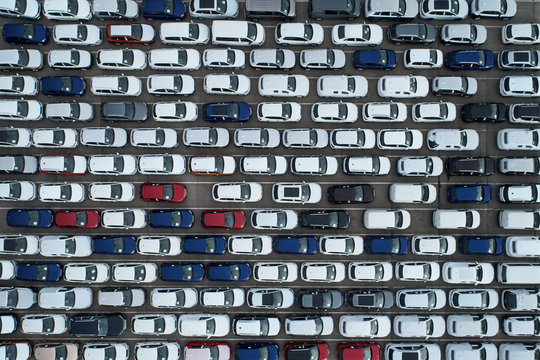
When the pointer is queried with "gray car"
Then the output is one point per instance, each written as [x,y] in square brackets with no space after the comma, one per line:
[334,9]
[319,299]
[370,299]
[412,33]
[124,111]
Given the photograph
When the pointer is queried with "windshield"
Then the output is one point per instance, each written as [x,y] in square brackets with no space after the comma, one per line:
[82,32]
[81,218]
[308,31]
[251,31]
[291,83]
[28,31]
[59,137]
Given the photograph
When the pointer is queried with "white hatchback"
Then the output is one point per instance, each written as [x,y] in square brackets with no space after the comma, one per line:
[55,138]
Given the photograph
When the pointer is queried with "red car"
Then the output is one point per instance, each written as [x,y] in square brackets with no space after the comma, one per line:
[82,219]
[223,219]
[131,34]
[205,351]
[163,192]
[306,350]
[358,351]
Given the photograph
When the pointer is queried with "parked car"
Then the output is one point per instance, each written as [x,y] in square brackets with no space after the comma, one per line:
[472,325]
[382,59]
[188,33]
[412,33]
[468,273]
[502,9]
[25,33]
[97,325]
[470,60]
[299,34]
[191,272]
[171,218]
[521,34]
[86,272]
[393,245]
[469,34]
[33,218]
[421,299]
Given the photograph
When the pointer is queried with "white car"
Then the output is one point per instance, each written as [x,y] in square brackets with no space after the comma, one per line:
[65,246]
[523,246]
[518,139]
[69,111]
[28,9]
[519,219]
[173,298]
[522,326]
[275,271]
[514,351]
[305,138]
[153,324]
[270,298]
[472,325]
[123,218]
[249,244]
[175,111]
[352,139]
[70,59]
[154,138]
[77,35]
[455,219]
[370,271]
[364,326]
[121,296]
[473,351]
[386,219]
[170,85]
[106,350]
[357,34]
[174,59]
[8,325]
[394,9]
[116,86]
[18,85]
[206,137]
[205,325]
[226,84]
[342,86]
[55,138]
[502,9]
[314,165]
[63,163]
[366,165]
[439,245]
[417,271]
[384,112]
[274,219]
[222,297]
[188,33]
[19,298]
[21,110]
[520,86]
[104,136]
[224,59]
[452,139]
[111,191]
[8,268]
[478,299]
[90,273]
[19,244]
[399,139]
[309,325]
[272,59]
[520,299]
[135,272]
[125,59]
[161,245]
[70,10]
[283,85]
[257,326]
[257,138]
[214,10]
[422,59]
[212,165]
[299,34]
[112,164]
[21,59]
[524,113]
[521,34]
[13,190]
[433,112]
[237,192]
[164,350]
[444,9]
[468,273]
[421,299]
[420,166]
[470,34]
[263,165]
[408,193]
[279,112]
[403,86]
[65,298]
[322,59]
[116,9]
[343,245]
[322,272]
[334,112]
[44,324]
[519,193]
[421,326]
[237,33]
[304,193]
[162,164]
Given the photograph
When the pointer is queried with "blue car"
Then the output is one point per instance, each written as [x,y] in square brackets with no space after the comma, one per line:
[469,194]
[63,86]
[256,351]
[228,271]
[392,245]
[113,244]
[204,244]
[470,60]
[35,218]
[295,244]
[226,112]
[374,59]
[481,245]
[33,34]
[173,218]
[164,9]
[182,271]
[39,271]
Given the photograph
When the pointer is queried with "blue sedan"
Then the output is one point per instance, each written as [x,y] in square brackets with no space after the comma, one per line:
[295,244]
[470,60]
[114,244]
[182,272]
[481,245]
[226,112]
[256,351]
[63,86]
[230,271]
[204,244]
[392,245]
[39,271]
[374,59]
[33,34]
[469,194]
[164,9]
[176,219]
[35,218]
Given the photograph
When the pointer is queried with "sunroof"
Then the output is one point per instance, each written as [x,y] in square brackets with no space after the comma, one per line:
[206,4]
[521,56]
[441,5]
[291,192]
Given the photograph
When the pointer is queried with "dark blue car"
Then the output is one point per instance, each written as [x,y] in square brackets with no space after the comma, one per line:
[469,194]
[374,59]
[483,245]
[114,244]
[164,9]
[36,218]
[204,244]
[39,271]
[228,271]
[470,60]
[295,244]
[226,112]
[392,245]
[173,218]
[256,351]
[63,86]
[25,34]
[182,271]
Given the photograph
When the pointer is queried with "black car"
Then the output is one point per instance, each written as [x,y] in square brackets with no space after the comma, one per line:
[525,113]
[475,166]
[370,298]
[97,325]
[124,111]
[319,299]
[334,9]
[484,112]
[347,194]
[325,219]
[412,33]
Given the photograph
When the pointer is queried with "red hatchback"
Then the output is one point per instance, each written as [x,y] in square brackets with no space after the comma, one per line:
[82,219]
[223,219]
[163,192]
[358,351]
[306,350]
